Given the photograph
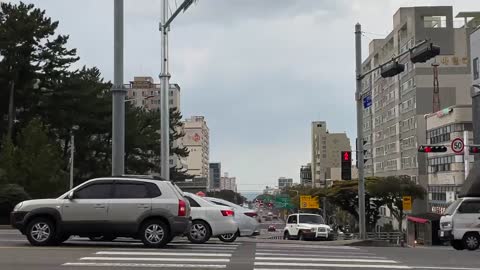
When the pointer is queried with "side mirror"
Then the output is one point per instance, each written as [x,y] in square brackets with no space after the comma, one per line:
[70,196]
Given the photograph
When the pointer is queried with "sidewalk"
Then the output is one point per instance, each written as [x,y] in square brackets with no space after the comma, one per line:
[5,227]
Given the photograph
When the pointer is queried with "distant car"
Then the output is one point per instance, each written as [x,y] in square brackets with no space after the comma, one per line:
[245,218]
[209,219]
[271,228]
[270,214]
[307,226]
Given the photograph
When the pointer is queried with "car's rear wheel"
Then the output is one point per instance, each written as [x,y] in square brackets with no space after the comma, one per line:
[228,237]
[199,232]
[41,232]
[154,234]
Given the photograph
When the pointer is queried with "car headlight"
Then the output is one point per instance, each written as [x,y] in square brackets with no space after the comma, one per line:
[447,225]
[18,206]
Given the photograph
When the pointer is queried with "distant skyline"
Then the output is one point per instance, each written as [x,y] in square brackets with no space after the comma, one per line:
[259,71]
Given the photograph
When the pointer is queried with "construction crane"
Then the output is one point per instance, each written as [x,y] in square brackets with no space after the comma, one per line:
[436,88]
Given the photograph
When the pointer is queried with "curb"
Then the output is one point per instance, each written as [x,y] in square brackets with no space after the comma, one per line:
[371,243]
[6,227]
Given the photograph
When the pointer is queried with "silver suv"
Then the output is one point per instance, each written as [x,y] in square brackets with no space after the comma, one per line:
[105,208]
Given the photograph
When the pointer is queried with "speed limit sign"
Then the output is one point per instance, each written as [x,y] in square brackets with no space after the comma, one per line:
[457,145]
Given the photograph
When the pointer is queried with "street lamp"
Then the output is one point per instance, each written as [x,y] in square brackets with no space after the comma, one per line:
[164,80]
[72,151]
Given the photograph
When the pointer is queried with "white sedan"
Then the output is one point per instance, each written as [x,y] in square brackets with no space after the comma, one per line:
[209,219]
[245,218]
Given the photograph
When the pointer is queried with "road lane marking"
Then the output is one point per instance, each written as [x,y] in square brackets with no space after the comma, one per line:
[323,260]
[208,250]
[317,254]
[443,268]
[153,259]
[333,265]
[165,254]
[147,265]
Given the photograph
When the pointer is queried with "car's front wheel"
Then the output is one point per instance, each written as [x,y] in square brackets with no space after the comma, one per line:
[229,237]
[286,236]
[471,241]
[41,232]
[154,234]
[199,232]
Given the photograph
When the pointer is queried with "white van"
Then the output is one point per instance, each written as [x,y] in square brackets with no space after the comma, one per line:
[461,223]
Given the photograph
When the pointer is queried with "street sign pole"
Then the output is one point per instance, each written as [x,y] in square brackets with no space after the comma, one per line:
[466,155]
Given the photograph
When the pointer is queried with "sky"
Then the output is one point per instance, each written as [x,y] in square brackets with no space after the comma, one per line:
[260,71]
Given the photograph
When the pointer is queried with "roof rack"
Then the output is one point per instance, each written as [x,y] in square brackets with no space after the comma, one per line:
[154,177]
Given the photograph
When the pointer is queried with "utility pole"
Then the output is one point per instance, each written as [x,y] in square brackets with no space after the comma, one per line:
[358,98]
[118,93]
[164,110]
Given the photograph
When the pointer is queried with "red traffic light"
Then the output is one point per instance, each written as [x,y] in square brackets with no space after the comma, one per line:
[346,156]
[432,149]
[474,149]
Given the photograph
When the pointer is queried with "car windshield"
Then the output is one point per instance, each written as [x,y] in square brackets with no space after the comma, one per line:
[311,219]
[451,208]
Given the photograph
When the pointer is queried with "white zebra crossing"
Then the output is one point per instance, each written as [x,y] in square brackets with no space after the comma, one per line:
[273,256]
[174,256]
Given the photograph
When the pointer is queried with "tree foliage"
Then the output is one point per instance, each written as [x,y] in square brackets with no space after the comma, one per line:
[228,195]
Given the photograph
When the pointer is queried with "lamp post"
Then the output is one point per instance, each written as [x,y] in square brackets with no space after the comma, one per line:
[72,152]
[164,82]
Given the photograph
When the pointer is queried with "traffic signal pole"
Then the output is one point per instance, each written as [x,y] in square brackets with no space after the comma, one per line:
[358,98]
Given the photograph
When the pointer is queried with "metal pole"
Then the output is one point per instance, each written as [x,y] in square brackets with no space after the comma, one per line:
[72,154]
[118,94]
[358,98]
[475,93]
[466,154]
[164,111]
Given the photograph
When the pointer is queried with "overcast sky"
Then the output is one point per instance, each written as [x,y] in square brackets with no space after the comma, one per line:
[259,70]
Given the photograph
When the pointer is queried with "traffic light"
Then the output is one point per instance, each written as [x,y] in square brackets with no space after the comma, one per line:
[474,149]
[346,160]
[364,152]
[432,149]
[392,69]
[423,54]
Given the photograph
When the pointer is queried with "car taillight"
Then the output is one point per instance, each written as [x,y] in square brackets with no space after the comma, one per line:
[227,213]
[251,214]
[182,208]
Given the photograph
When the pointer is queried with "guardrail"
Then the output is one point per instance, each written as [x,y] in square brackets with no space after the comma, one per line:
[393,237]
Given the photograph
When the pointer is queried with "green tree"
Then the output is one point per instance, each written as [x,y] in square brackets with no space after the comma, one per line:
[228,195]
[30,51]
[178,151]
[8,161]
[39,163]
[390,191]
[10,195]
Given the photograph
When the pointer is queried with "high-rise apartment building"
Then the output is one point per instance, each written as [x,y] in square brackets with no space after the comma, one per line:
[326,150]
[144,92]
[197,141]
[284,182]
[395,124]
[306,175]
[215,175]
[228,183]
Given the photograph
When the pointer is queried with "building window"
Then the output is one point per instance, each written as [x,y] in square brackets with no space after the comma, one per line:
[442,164]
[134,93]
[435,21]
[476,68]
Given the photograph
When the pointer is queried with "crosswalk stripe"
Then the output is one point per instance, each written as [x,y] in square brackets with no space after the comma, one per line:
[317,254]
[147,265]
[333,265]
[178,249]
[153,259]
[323,260]
[202,245]
[305,246]
[312,252]
[164,254]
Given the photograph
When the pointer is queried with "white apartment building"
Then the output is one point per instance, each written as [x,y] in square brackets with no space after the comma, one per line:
[284,182]
[326,152]
[395,125]
[197,141]
[144,92]
[446,171]
[228,183]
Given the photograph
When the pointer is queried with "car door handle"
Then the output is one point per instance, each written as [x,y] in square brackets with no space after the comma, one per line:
[99,206]
[143,206]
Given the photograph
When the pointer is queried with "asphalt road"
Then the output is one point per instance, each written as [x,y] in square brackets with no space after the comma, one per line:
[245,254]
